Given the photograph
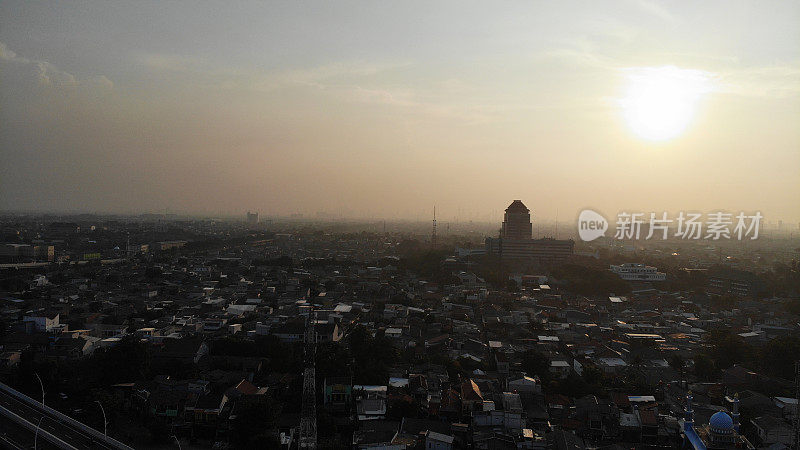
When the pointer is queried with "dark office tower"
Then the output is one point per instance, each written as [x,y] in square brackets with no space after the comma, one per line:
[516,243]
[252,218]
[517,222]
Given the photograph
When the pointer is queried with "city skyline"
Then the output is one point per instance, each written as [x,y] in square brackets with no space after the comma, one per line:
[405,225]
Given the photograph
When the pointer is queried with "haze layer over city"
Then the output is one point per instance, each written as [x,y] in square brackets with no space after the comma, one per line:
[382,110]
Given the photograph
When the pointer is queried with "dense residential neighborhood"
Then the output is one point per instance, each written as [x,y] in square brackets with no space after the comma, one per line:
[197,332]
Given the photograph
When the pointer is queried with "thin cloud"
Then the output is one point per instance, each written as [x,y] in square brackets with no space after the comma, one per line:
[727,73]
[322,77]
[654,9]
[173,63]
[47,74]
[779,81]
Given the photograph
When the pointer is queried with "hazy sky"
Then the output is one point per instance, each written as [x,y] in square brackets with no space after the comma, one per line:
[385,108]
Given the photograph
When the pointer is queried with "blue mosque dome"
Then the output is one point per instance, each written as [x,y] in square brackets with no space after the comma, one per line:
[721,423]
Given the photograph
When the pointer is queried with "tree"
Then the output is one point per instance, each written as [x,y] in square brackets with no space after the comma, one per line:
[793,307]
[586,280]
[403,406]
[536,363]
[3,327]
[704,367]
[372,355]
[332,359]
[574,386]
[677,363]
[723,301]
[254,418]
[593,375]
[729,349]
[127,361]
[778,356]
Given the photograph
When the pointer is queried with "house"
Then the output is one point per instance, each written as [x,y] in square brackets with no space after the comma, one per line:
[338,393]
[741,283]
[450,404]
[244,388]
[109,330]
[611,365]
[43,322]
[212,325]
[787,405]
[530,440]
[471,397]
[772,431]
[290,332]
[599,419]
[205,409]
[525,385]
[328,332]
[511,418]
[738,378]
[371,402]
[166,405]
[438,441]
[560,368]
[185,351]
[377,435]
[10,359]
[492,440]
[502,362]
[72,347]
[755,401]
[240,310]
[418,429]
[393,333]
[564,440]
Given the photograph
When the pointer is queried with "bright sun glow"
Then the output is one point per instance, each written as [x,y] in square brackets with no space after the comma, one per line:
[660,102]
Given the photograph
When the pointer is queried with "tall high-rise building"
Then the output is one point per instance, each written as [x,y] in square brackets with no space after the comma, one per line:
[517,222]
[516,241]
[252,218]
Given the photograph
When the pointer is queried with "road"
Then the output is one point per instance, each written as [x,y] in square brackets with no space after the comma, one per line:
[69,432]
[16,437]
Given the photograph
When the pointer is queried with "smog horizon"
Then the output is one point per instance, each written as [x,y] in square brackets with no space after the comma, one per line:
[383,112]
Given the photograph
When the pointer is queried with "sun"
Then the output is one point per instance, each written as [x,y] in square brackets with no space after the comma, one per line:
[660,102]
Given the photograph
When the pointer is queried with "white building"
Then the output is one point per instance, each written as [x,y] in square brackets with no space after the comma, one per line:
[511,417]
[638,272]
[438,441]
[371,401]
[525,385]
[560,368]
